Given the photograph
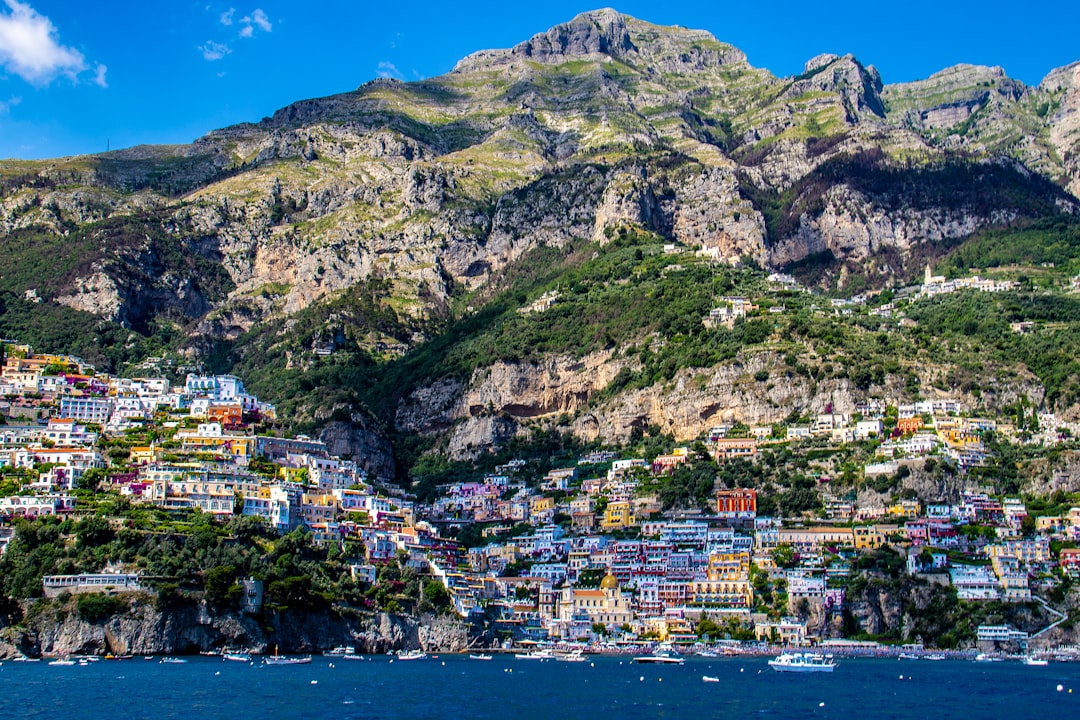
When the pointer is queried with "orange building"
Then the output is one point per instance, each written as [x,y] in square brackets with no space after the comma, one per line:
[908,424]
[225,413]
[736,503]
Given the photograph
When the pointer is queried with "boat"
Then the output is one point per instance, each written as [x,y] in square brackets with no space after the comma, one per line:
[572,656]
[934,656]
[803,662]
[709,678]
[707,654]
[983,657]
[661,658]
[341,651]
[1035,662]
[286,660]
[481,656]
[236,656]
[535,655]
[908,656]
[64,662]
[172,661]
[412,655]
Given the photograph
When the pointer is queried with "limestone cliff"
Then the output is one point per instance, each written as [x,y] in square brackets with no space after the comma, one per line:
[140,629]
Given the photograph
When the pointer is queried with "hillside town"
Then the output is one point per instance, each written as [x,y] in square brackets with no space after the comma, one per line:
[583,552]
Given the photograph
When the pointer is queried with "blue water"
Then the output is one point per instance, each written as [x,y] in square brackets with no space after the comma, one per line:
[457,688]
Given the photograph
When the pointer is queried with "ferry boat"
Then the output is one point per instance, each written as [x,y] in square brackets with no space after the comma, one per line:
[661,658]
[803,662]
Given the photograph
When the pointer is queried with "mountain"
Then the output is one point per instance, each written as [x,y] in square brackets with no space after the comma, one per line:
[363,257]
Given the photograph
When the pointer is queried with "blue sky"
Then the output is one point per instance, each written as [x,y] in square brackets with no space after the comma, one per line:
[77,75]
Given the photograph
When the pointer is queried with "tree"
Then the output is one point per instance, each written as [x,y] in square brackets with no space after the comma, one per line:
[221,585]
[784,556]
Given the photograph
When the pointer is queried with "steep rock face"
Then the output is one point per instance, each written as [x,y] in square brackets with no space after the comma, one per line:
[628,198]
[354,440]
[1064,85]
[602,31]
[879,610]
[142,630]
[501,400]
[950,96]
[858,87]
[852,227]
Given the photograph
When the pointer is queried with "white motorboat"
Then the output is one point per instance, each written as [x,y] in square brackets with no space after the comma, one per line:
[412,655]
[287,660]
[803,662]
[662,658]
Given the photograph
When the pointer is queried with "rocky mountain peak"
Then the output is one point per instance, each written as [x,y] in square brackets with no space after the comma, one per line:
[599,31]
[858,86]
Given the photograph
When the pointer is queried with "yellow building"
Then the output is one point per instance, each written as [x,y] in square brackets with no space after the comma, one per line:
[907,509]
[619,514]
[727,582]
[144,455]
[867,537]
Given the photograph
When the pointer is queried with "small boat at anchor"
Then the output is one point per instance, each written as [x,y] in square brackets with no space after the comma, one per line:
[661,658]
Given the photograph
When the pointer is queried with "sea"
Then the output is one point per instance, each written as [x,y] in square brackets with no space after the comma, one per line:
[455,687]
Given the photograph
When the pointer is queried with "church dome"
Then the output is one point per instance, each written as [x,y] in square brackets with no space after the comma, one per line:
[610,582]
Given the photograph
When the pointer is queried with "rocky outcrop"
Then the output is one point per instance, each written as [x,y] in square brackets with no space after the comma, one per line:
[140,629]
[355,440]
[601,31]
[1063,88]
[857,87]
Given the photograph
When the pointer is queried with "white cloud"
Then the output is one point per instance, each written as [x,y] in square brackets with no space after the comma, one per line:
[99,75]
[214,51]
[5,106]
[227,16]
[257,20]
[30,47]
[389,70]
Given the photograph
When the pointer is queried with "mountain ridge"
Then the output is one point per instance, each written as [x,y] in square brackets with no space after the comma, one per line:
[374,222]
